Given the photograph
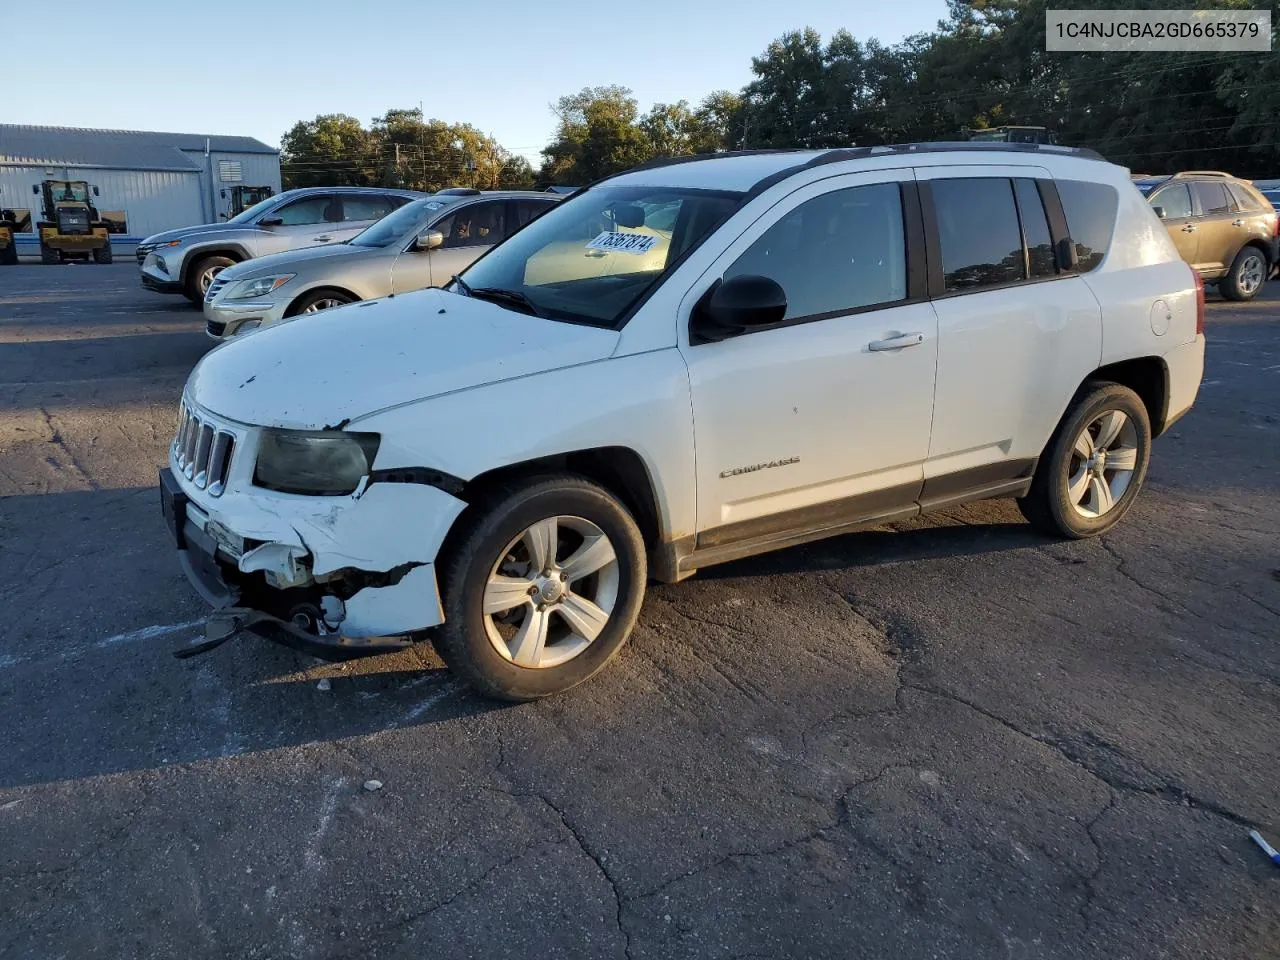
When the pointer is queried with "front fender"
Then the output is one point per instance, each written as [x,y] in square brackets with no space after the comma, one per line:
[640,402]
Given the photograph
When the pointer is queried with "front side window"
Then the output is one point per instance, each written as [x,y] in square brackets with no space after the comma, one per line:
[321,209]
[1091,218]
[1174,202]
[592,257]
[1213,198]
[979,232]
[370,206]
[475,225]
[836,253]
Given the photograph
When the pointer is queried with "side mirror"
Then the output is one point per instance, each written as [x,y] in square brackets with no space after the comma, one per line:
[628,214]
[35,188]
[428,240]
[96,193]
[734,306]
[271,222]
[1159,212]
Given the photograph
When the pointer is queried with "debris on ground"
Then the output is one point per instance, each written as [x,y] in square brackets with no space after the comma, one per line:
[372,785]
[1269,850]
[323,685]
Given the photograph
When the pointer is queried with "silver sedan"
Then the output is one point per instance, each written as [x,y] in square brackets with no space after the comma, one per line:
[422,244]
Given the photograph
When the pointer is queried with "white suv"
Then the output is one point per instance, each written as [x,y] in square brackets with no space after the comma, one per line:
[684,364]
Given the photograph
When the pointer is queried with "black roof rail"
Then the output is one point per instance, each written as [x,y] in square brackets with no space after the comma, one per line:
[458,192]
[842,154]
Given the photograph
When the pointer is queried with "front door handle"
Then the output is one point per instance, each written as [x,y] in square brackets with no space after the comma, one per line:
[1188,228]
[896,343]
[1237,223]
[323,238]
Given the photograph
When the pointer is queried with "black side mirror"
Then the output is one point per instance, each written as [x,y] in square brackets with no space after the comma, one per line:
[35,188]
[628,214]
[96,193]
[1159,212]
[732,307]
[271,222]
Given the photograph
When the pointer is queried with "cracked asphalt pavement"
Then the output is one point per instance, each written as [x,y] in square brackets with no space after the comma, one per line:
[948,738]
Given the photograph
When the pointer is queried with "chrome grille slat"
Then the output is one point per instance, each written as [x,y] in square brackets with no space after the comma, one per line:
[215,285]
[202,450]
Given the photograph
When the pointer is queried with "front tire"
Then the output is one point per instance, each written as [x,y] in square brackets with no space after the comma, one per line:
[48,255]
[541,589]
[202,274]
[9,255]
[318,300]
[102,254]
[1248,271]
[1094,465]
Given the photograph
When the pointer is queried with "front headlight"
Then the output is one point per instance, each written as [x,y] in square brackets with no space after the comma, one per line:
[260,287]
[319,463]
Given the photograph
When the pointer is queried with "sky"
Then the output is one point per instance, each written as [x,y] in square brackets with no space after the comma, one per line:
[254,69]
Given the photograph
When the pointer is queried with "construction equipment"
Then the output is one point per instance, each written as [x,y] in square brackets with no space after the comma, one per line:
[1012,135]
[70,226]
[8,243]
[242,198]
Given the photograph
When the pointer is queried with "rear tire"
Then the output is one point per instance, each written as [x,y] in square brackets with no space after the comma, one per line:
[560,564]
[1247,274]
[201,275]
[9,255]
[102,254]
[49,255]
[1095,462]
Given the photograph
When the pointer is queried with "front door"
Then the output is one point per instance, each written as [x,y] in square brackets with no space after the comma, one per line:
[1220,238]
[1173,205]
[824,419]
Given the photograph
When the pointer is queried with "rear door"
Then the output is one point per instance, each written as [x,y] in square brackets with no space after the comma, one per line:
[1173,205]
[359,210]
[1017,332]
[1220,239]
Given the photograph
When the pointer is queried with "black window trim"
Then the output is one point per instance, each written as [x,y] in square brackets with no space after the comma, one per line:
[1057,232]
[917,260]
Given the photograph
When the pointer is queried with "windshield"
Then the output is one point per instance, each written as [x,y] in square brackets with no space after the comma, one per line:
[244,216]
[395,226]
[76,190]
[591,258]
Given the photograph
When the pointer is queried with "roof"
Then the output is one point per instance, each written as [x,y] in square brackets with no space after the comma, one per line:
[756,170]
[114,149]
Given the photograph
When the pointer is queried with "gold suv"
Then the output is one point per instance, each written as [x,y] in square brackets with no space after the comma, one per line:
[1222,225]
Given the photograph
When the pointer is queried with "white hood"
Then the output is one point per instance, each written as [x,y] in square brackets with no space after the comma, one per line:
[324,369]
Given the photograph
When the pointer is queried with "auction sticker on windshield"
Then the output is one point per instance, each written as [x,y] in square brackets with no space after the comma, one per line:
[634,243]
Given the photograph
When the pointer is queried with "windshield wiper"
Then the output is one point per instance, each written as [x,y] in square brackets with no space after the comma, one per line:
[462,284]
[508,297]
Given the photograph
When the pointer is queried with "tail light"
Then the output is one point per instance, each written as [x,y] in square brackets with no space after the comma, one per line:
[1199,281]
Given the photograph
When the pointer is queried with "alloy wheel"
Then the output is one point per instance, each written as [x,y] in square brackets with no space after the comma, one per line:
[1103,460]
[551,592]
[1251,274]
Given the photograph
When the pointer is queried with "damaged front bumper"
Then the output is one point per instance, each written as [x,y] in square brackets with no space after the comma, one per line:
[340,577]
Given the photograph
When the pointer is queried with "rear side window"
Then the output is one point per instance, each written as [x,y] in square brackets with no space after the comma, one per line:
[526,210]
[1246,198]
[372,206]
[836,253]
[1035,228]
[979,232]
[1213,198]
[1091,218]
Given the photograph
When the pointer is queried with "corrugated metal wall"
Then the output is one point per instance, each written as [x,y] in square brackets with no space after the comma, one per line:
[152,200]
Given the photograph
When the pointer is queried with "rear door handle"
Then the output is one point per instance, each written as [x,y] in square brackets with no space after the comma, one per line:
[1237,223]
[896,343]
[325,238]
[1188,228]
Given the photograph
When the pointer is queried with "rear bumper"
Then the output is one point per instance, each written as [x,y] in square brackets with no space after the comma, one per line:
[1185,364]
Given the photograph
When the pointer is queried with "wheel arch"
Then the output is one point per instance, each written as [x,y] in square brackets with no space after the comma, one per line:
[291,310]
[230,251]
[1148,377]
[618,469]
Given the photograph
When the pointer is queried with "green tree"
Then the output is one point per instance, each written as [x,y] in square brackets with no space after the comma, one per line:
[331,150]
[597,135]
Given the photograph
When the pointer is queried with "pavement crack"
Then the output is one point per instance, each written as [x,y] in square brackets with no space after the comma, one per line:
[1122,569]
[55,437]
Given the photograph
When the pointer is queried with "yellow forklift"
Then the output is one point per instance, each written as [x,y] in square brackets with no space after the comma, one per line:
[70,225]
[8,243]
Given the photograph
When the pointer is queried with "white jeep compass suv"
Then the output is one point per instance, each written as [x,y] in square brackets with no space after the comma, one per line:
[687,363]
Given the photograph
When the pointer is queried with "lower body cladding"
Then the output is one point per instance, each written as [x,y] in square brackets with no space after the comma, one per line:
[338,577]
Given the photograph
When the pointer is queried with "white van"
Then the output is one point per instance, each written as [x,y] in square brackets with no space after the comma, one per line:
[684,364]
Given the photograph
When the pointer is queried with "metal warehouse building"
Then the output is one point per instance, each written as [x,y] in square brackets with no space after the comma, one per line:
[147,182]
